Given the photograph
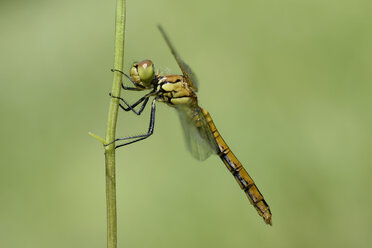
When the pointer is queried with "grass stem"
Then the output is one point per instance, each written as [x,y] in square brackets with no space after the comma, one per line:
[111,126]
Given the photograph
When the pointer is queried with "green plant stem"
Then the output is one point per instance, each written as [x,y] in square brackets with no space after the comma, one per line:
[111,126]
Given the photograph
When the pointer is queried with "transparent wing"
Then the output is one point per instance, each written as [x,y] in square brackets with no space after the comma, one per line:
[199,137]
[186,70]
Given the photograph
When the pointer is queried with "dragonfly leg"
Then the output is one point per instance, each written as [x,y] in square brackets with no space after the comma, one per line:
[143,99]
[142,136]
[137,88]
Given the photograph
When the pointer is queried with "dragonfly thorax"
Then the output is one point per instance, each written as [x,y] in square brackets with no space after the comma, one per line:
[174,90]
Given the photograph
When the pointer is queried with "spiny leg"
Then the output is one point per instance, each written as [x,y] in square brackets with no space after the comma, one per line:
[143,99]
[142,136]
[138,86]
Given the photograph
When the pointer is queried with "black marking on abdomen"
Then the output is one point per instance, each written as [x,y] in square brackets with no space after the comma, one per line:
[223,152]
[226,159]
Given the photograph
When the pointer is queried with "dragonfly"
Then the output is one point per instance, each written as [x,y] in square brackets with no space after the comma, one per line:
[202,136]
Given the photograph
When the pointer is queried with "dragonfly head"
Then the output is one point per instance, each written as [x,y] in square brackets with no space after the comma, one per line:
[143,73]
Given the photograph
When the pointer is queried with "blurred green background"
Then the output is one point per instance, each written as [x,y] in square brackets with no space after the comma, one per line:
[288,84]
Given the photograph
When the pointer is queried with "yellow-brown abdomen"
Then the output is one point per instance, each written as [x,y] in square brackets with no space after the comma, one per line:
[245,182]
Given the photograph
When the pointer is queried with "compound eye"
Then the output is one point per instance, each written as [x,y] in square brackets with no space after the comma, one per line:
[146,72]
